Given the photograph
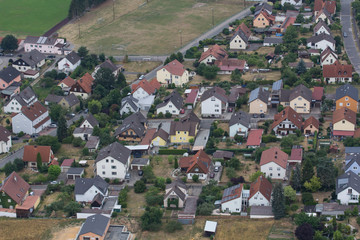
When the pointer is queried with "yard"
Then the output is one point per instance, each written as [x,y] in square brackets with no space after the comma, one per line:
[147,27]
[31,17]
[135,204]
[69,151]
[282,229]
[132,69]
[162,168]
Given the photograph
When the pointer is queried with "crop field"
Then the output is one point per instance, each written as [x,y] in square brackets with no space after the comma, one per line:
[147,27]
[31,17]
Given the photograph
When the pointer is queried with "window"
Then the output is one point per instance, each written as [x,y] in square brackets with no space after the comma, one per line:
[349,191]
[112,160]
[9,200]
[216,105]
[270,174]
[299,98]
[103,166]
[170,106]
[113,173]
[103,173]
[340,104]
[270,168]
[216,110]
[278,174]
[346,99]
[347,104]
[196,169]
[355,167]
[343,122]
[178,132]
[278,169]
[113,167]
[107,160]
[212,98]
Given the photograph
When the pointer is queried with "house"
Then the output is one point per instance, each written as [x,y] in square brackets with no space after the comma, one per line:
[224,155]
[296,155]
[175,194]
[337,73]
[235,92]
[227,66]
[289,21]
[47,45]
[286,122]
[66,164]
[328,57]
[264,6]
[8,76]
[171,104]
[198,164]
[353,165]
[10,91]
[92,143]
[321,41]
[83,133]
[260,192]
[210,55]
[348,188]
[344,122]
[214,102]
[275,93]
[271,41]
[74,173]
[67,83]
[139,163]
[292,2]
[239,124]
[109,65]
[258,101]
[232,199]
[160,138]
[129,104]
[254,139]
[347,96]
[325,16]
[263,19]
[191,98]
[185,129]
[89,122]
[69,63]
[31,154]
[32,74]
[28,206]
[330,6]
[5,140]
[273,163]
[25,98]
[173,73]
[87,188]
[311,125]
[33,60]
[13,191]
[321,27]
[95,227]
[113,161]
[32,119]
[240,39]
[144,88]
[133,128]
[82,87]
[68,102]
[300,99]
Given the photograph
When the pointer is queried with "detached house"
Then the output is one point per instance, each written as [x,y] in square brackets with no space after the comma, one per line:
[348,188]
[69,63]
[321,27]
[109,65]
[227,66]
[311,125]
[210,55]
[260,192]
[129,104]
[185,129]
[160,138]
[30,61]
[85,130]
[13,191]
[233,199]
[5,140]
[95,227]
[198,164]
[337,73]
[330,6]
[8,76]
[273,163]
[32,119]
[321,41]
[344,122]
[240,39]
[171,104]
[353,165]
[254,139]
[323,15]
[31,152]
[214,102]
[82,87]
[145,91]
[175,194]
[300,99]
[89,122]
[67,102]
[173,73]
[328,57]
[264,6]
[258,100]
[86,189]
[67,83]
[239,124]
[25,98]
[133,128]
[347,96]
[48,45]
[286,122]
[263,19]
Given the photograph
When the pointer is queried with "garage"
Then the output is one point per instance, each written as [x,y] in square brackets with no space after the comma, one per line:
[139,163]
[74,173]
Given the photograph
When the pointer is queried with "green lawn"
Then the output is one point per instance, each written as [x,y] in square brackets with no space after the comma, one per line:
[31,17]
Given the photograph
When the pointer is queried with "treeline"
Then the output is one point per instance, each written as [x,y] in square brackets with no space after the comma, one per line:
[78,7]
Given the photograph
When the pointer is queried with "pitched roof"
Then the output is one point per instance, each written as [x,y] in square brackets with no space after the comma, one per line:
[254,137]
[31,151]
[327,51]
[277,86]
[149,87]
[320,24]
[175,98]
[175,187]
[135,122]
[67,162]
[149,136]
[83,184]
[288,22]
[337,70]
[285,95]
[347,90]
[357,133]
[330,6]
[275,155]
[15,186]
[200,158]
[8,74]
[216,92]
[75,170]
[175,68]
[311,120]
[241,34]
[300,91]
[230,64]
[92,120]
[27,93]
[242,27]
[162,134]
[320,37]
[116,151]
[232,193]
[85,82]
[296,154]
[83,130]
[131,101]
[317,93]
[40,40]
[215,51]
[188,123]
[266,15]
[191,98]
[109,64]
[344,114]
[73,57]
[290,114]
[52,98]
[273,40]
[318,5]
[348,179]
[33,57]
[223,154]
[259,93]
[261,185]
[34,111]
[4,134]
[68,81]
[72,100]
[92,142]
[263,6]
[327,14]
[240,117]
[96,224]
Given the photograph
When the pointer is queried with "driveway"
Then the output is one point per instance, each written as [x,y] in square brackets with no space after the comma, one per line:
[201,139]
[17,154]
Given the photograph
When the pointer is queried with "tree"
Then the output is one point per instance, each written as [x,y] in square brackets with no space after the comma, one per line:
[38,161]
[55,112]
[304,232]
[151,219]
[94,106]
[18,164]
[176,164]
[290,194]
[121,80]
[48,140]
[278,201]
[102,57]
[9,168]
[9,43]
[300,18]
[139,186]
[148,174]
[255,176]
[54,171]
[83,52]
[61,129]
[313,185]
[307,199]
[295,179]
[278,49]
[106,78]
[230,172]
[234,163]
[307,171]
[338,235]
[301,67]
[195,178]
[173,226]
[303,218]
[326,172]
[72,208]
[205,209]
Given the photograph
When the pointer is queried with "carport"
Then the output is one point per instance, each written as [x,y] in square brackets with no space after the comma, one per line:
[139,163]
[74,173]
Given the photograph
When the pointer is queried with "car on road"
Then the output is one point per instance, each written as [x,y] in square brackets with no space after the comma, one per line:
[230,110]
[51,56]
[345,34]
[9,55]
[53,125]
[141,77]
[140,172]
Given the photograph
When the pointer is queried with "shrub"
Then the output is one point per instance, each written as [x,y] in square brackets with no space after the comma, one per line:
[173,226]
[307,199]
[184,179]
[122,200]
[195,178]
[172,151]
[294,207]
[77,142]
[168,180]
[139,187]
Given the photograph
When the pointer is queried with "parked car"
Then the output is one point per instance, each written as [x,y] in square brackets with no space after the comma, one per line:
[53,182]
[53,125]
[182,111]
[19,55]
[35,135]
[1,54]
[127,176]
[230,109]
[345,34]
[140,172]
[9,55]
[216,169]
[51,56]
[86,110]
[141,77]
[255,115]
[262,115]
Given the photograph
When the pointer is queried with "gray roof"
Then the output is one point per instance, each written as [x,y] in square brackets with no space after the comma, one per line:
[116,151]
[135,121]
[96,224]
[75,170]
[27,93]
[320,24]
[242,36]
[259,93]
[240,117]
[285,95]
[110,65]
[83,184]
[53,98]
[320,37]
[261,210]
[131,101]
[353,160]
[9,73]
[178,183]
[217,92]
[175,98]
[116,232]
[72,99]
[273,40]
[140,161]
[223,154]
[33,58]
[73,57]
[348,179]
[40,40]
[262,6]
[349,150]
[302,91]
[347,90]
[92,142]
[277,85]
[83,130]
[92,120]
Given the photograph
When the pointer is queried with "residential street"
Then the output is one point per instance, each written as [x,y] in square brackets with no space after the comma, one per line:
[18,154]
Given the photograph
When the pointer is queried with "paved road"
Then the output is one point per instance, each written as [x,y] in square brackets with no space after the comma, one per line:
[349,42]
[18,154]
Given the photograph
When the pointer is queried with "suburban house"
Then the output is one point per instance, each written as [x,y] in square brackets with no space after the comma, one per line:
[109,65]
[69,63]
[292,2]
[160,138]
[83,133]
[275,92]
[67,83]
[296,155]
[321,27]
[254,139]
[173,73]
[328,57]
[300,99]
[198,164]
[66,164]
[344,122]
[264,6]
[89,122]
[82,86]
[227,66]
[324,16]
[86,189]
[171,104]
[133,128]
[74,173]
[353,165]
[68,102]
[239,124]
[210,55]
[260,192]
[8,76]
[32,119]
[31,154]
[258,100]
[33,60]
[13,191]
[273,163]
[240,39]
[348,188]
[175,194]
[95,227]
[92,143]
[129,104]
[330,6]
[311,125]
[25,98]
[144,91]
[48,45]
[263,19]
[185,129]
[321,41]
[337,73]
[235,92]
[214,102]
[10,91]
[233,200]
[272,41]
[5,140]
[286,122]
[347,96]
[191,98]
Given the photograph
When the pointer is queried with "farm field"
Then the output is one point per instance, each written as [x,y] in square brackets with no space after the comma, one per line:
[31,17]
[147,28]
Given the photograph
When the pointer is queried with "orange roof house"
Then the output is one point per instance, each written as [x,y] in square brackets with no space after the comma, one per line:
[212,54]
[261,188]
[281,122]
[83,86]
[67,82]
[263,20]
[311,125]
[274,162]
[31,152]
[198,164]
[15,189]
[149,87]
[344,122]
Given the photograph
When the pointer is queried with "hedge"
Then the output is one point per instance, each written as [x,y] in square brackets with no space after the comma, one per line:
[235,151]
[172,151]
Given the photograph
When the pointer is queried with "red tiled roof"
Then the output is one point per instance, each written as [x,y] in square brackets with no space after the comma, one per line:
[34,111]
[318,5]
[15,186]
[357,133]
[318,93]
[288,22]
[337,70]
[266,15]
[254,138]
[149,87]
[261,185]
[31,151]
[200,158]
[274,155]
[148,136]
[343,133]
[234,193]
[54,162]
[175,68]
[68,81]
[192,96]
[215,51]
[29,203]
[287,113]
[230,64]
[67,162]
[42,122]
[296,154]
[86,82]
[313,121]
[330,6]
[244,29]
[155,83]
[344,113]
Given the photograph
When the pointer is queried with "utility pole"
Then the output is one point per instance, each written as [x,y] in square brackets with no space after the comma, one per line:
[212,13]
[113,10]
[180,38]
[79,27]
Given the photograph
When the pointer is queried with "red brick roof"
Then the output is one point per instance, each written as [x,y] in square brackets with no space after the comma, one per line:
[330,6]
[230,64]
[296,154]
[261,185]
[290,114]
[318,93]
[313,121]
[357,133]
[86,82]
[200,158]
[34,111]
[67,162]
[337,70]
[244,29]
[148,136]
[29,203]
[175,68]
[15,187]
[149,87]
[274,155]
[344,114]
[254,137]
[31,151]
[68,81]
[215,51]
[318,5]
[266,15]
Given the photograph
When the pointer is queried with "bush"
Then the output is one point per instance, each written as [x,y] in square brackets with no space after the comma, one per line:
[139,187]
[77,142]
[173,226]
[307,199]
[195,178]
[85,151]
[270,138]
[172,151]
[168,180]
[122,200]
[294,207]
[205,209]
[153,198]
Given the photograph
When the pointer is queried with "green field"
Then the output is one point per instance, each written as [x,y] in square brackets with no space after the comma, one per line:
[31,17]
